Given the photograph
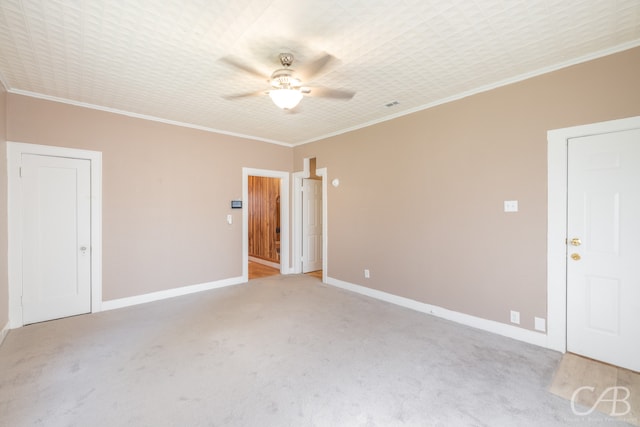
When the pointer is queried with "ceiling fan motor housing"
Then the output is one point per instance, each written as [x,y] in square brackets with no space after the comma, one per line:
[283,78]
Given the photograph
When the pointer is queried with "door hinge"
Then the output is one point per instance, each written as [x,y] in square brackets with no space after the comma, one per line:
[20,172]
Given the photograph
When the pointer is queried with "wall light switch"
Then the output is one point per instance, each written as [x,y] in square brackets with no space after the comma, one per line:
[511,206]
[229,219]
[515,317]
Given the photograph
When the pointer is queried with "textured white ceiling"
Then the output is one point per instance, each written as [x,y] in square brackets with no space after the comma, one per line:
[161,58]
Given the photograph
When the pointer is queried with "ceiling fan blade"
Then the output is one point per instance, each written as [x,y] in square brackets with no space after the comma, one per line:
[245,95]
[244,67]
[311,69]
[326,92]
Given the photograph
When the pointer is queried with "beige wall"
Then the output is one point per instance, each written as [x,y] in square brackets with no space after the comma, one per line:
[166,192]
[419,204]
[420,201]
[4,280]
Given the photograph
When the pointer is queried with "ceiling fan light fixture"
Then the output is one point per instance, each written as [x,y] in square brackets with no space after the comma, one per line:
[287,89]
[285,98]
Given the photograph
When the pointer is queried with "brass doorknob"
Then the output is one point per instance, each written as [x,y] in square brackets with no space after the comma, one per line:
[575,257]
[576,241]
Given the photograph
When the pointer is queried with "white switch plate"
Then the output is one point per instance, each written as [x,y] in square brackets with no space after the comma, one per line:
[515,317]
[511,206]
[229,219]
[366,273]
[540,324]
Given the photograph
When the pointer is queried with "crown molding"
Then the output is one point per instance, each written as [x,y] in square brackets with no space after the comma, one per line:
[142,116]
[485,88]
[481,89]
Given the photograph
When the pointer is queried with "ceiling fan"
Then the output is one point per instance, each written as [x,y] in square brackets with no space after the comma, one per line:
[287,85]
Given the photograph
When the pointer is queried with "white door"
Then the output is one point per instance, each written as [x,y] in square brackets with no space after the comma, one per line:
[603,225]
[311,225]
[56,237]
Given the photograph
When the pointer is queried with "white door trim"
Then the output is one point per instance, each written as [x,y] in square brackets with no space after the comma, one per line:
[297,222]
[284,217]
[557,221]
[14,154]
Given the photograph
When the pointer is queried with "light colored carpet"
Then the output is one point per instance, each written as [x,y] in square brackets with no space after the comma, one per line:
[596,385]
[279,351]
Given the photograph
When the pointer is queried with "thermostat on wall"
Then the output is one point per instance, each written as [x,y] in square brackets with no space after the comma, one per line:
[236,204]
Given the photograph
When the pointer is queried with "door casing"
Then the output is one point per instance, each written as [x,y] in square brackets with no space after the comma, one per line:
[15,150]
[557,172]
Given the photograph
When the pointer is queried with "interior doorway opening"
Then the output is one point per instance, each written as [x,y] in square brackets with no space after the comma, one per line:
[265,218]
[264,222]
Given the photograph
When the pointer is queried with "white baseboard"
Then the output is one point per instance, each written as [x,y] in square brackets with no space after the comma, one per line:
[4,332]
[503,329]
[169,293]
[264,262]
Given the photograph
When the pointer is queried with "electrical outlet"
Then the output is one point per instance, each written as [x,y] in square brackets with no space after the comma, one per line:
[366,273]
[515,317]
[540,324]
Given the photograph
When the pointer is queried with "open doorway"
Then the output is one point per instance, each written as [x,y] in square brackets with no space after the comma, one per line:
[263,206]
[265,221]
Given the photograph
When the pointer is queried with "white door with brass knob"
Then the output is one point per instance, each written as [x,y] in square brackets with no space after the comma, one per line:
[603,248]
